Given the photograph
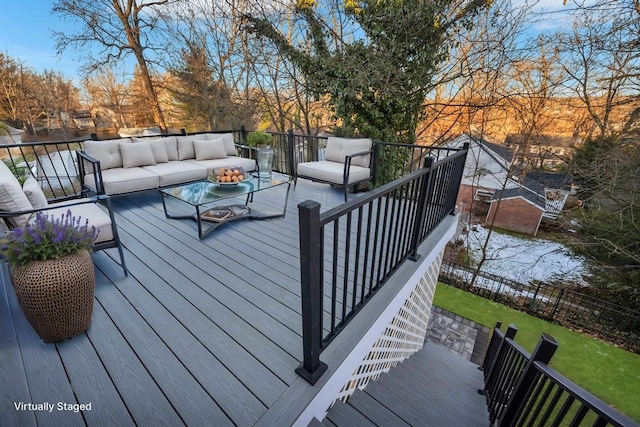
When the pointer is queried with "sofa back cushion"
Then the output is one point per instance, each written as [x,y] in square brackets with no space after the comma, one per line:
[139,154]
[338,148]
[171,143]
[34,193]
[185,146]
[209,149]
[12,198]
[107,152]
[158,148]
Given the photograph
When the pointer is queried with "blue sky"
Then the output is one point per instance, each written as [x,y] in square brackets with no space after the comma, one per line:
[25,35]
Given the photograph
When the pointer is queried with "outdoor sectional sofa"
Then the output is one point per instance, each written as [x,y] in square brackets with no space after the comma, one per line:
[129,165]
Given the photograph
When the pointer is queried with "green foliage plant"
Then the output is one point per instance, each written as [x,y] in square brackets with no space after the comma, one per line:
[47,238]
[376,81]
[606,172]
[255,139]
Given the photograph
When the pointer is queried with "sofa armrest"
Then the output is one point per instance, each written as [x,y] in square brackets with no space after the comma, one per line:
[85,160]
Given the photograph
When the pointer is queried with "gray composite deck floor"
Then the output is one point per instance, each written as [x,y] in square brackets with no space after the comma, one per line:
[200,333]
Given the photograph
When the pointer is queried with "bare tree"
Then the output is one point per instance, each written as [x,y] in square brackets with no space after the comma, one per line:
[108,92]
[110,30]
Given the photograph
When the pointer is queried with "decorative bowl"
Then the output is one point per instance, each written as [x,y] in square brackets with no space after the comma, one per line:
[228,176]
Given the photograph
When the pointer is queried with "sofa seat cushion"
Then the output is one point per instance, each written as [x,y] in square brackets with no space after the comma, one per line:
[177,172]
[332,172]
[97,216]
[232,161]
[125,180]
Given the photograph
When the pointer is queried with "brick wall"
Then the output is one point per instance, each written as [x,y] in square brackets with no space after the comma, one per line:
[515,214]
[465,200]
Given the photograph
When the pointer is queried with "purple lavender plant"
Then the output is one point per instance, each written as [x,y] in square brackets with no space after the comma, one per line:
[47,238]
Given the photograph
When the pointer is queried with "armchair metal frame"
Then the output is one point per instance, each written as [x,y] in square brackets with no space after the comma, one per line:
[102,199]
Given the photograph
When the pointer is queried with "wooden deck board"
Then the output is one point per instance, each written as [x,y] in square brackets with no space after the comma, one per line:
[14,388]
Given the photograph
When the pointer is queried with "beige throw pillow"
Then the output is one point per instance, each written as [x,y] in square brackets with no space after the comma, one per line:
[12,198]
[158,148]
[139,154]
[34,193]
[209,149]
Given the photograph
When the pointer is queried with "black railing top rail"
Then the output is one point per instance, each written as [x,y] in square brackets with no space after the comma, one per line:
[384,190]
[592,402]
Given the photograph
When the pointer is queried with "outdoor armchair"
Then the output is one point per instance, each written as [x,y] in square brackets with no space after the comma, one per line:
[19,204]
[348,162]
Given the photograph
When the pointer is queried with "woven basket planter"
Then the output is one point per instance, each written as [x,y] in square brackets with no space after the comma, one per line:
[57,295]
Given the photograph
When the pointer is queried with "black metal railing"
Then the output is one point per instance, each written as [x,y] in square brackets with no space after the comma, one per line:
[393,160]
[53,164]
[521,389]
[605,320]
[347,253]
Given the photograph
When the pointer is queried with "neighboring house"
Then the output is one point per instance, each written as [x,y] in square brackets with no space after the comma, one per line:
[541,151]
[83,119]
[490,190]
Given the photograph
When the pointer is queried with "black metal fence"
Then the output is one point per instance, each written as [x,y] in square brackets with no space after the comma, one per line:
[609,322]
[349,252]
[521,389]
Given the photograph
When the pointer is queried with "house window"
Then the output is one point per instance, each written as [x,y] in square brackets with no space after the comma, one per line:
[483,195]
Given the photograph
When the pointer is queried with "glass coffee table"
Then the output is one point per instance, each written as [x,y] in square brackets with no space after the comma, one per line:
[205,197]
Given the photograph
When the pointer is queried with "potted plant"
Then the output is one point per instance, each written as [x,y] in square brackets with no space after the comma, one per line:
[52,273]
[259,139]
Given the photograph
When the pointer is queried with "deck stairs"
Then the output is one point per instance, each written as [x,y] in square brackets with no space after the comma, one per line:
[434,387]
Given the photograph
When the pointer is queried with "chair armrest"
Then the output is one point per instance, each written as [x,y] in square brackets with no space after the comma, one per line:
[347,164]
[96,170]
[73,202]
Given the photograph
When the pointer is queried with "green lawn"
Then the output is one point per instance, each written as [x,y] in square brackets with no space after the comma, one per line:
[606,371]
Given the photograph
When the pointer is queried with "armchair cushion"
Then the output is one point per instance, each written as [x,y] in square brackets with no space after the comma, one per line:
[92,212]
[338,148]
[34,193]
[12,198]
[333,172]
[139,154]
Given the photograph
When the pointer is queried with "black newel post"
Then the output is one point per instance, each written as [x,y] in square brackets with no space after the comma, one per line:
[290,150]
[311,368]
[546,347]
[425,182]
